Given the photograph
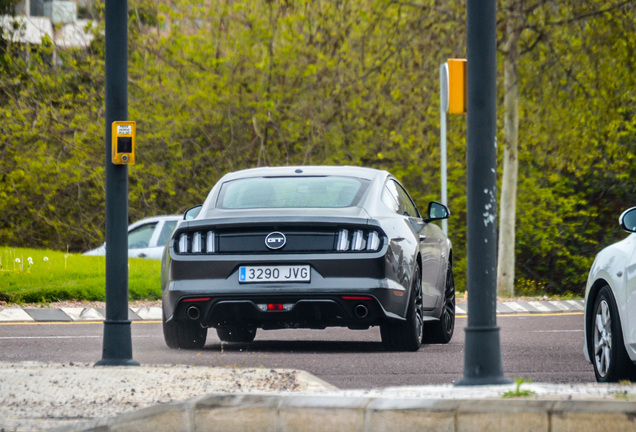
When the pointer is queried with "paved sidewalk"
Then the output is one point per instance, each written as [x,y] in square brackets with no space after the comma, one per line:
[154,313]
[39,396]
[552,408]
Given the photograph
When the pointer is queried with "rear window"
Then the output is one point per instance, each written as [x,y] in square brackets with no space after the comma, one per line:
[292,192]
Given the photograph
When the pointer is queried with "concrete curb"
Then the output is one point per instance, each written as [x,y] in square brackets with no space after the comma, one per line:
[154,313]
[531,307]
[253,412]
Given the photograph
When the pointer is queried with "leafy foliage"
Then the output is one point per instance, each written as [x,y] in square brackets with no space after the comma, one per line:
[220,85]
[51,153]
[518,392]
[577,142]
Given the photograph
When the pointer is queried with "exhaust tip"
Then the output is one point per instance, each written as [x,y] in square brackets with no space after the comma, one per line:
[193,313]
[361,311]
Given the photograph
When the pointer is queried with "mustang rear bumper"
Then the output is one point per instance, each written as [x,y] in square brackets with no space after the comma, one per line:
[286,311]
[317,303]
[351,302]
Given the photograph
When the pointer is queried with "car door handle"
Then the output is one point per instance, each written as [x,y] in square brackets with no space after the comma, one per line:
[142,255]
[422,237]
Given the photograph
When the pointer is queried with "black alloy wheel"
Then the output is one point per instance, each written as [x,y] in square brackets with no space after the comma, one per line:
[184,334]
[407,335]
[236,334]
[441,332]
[609,357]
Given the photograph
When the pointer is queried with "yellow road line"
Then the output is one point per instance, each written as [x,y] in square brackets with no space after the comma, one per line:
[70,322]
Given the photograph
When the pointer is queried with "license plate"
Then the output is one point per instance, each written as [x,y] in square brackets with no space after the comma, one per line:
[280,273]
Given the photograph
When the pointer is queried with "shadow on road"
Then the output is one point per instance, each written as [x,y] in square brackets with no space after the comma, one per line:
[285,346]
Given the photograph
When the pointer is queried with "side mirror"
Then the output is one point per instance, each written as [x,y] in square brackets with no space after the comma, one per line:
[437,211]
[628,220]
[192,212]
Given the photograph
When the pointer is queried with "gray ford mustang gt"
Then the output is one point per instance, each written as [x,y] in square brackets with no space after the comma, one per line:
[309,247]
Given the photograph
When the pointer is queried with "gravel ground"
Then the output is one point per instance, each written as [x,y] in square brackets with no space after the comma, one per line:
[40,396]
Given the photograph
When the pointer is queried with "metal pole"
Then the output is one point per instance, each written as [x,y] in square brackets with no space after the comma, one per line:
[117,344]
[482,354]
[443,108]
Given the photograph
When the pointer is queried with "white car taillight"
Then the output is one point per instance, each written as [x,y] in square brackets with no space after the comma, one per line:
[359,240]
[183,243]
[196,242]
[358,243]
[209,242]
[343,240]
[373,242]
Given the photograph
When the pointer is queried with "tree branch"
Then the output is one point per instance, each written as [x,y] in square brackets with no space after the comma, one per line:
[590,14]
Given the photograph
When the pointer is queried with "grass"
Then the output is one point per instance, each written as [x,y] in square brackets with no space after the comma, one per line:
[624,396]
[44,276]
[518,392]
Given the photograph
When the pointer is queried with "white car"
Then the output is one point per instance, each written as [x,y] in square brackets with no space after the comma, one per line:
[147,238]
[610,308]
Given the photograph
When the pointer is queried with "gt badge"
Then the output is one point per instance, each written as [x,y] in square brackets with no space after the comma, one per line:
[275,240]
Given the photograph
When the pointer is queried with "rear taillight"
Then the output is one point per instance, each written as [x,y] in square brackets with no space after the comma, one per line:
[196,242]
[209,242]
[184,243]
[343,240]
[373,241]
[358,240]
[197,247]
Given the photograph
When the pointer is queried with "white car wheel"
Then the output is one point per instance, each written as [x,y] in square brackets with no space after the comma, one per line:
[602,338]
[610,359]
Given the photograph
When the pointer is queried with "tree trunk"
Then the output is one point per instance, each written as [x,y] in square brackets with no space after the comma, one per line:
[506,256]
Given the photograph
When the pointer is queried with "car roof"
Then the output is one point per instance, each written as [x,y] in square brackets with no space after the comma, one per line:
[375,176]
[325,170]
[153,219]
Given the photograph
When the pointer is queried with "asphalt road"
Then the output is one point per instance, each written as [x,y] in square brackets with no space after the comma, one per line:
[542,348]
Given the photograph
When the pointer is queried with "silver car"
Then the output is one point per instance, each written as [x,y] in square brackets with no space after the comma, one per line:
[610,308]
[309,247]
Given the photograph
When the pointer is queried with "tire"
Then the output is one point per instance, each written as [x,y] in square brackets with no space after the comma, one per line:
[236,334]
[609,357]
[441,332]
[184,334]
[407,335]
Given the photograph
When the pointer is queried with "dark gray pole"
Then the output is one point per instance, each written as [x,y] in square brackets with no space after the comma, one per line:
[482,354]
[117,344]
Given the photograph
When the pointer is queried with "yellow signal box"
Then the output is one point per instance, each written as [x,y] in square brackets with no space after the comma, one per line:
[457,86]
[123,150]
